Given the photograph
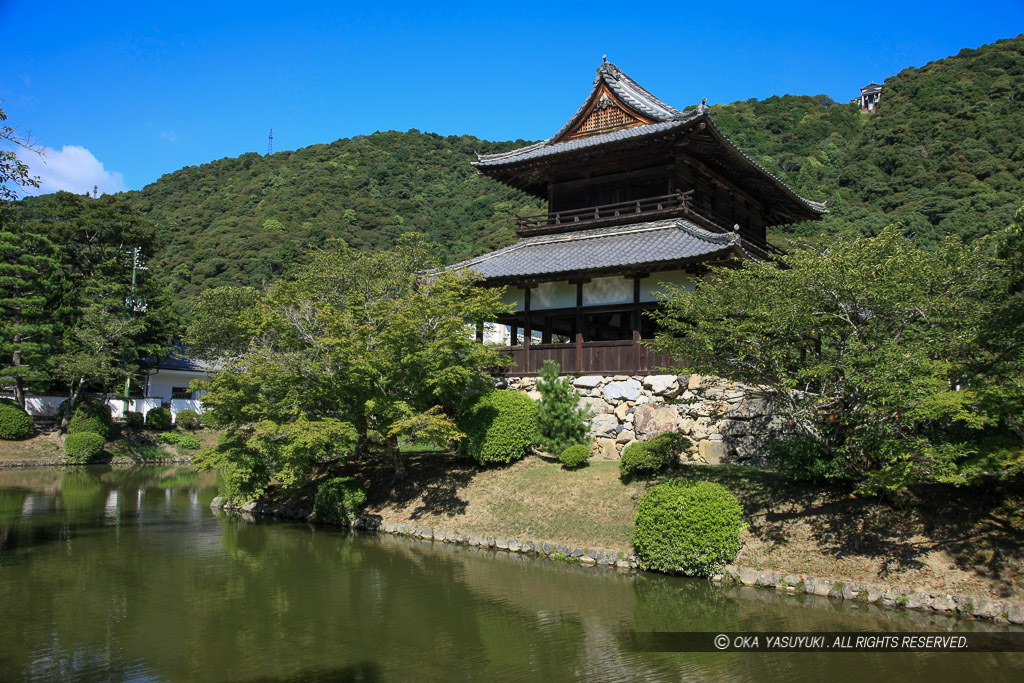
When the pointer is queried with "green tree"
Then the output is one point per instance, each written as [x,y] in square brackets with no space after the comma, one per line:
[106,315]
[29,286]
[867,344]
[560,420]
[379,344]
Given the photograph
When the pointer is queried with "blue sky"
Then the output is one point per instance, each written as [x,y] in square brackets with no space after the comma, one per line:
[121,93]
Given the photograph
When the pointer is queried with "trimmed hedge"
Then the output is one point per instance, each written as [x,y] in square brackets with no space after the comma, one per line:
[92,417]
[15,423]
[500,427]
[134,419]
[689,528]
[159,418]
[645,458]
[574,456]
[188,419]
[83,446]
[339,500]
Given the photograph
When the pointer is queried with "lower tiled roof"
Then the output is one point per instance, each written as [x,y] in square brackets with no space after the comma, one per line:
[640,244]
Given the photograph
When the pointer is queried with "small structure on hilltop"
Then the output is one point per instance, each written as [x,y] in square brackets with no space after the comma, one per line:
[639,194]
[870,96]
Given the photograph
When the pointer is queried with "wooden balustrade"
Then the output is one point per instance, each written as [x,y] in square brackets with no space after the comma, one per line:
[624,357]
[650,207]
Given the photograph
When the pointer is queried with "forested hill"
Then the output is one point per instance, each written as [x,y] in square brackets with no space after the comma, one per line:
[944,153]
[246,221]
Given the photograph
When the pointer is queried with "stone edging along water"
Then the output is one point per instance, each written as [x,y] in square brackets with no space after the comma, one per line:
[119,462]
[892,597]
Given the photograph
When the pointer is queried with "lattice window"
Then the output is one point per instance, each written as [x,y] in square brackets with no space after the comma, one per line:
[603,118]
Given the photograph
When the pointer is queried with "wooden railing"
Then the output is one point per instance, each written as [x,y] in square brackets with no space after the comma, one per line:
[667,205]
[624,357]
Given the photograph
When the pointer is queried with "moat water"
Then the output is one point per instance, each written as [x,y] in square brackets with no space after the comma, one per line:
[128,575]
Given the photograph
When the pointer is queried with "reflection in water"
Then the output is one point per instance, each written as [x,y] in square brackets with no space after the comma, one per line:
[127,574]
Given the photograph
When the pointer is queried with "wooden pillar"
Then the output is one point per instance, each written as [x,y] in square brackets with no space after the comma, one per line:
[546,334]
[514,331]
[637,324]
[579,327]
[527,331]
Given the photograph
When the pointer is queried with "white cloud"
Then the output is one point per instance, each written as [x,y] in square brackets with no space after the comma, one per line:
[74,169]
[169,135]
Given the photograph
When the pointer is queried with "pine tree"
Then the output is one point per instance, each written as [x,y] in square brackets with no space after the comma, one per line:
[28,272]
[561,422]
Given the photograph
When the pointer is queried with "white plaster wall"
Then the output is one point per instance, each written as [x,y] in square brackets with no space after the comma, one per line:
[496,334]
[654,283]
[607,290]
[514,296]
[180,404]
[548,295]
[162,382]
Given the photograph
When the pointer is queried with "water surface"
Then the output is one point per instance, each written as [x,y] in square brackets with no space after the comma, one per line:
[120,574]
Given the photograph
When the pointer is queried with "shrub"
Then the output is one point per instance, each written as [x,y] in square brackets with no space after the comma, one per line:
[159,418]
[15,423]
[692,528]
[134,419]
[560,420]
[169,437]
[500,427]
[92,417]
[339,500]
[799,458]
[188,419]
[645,458]
[81,447]
[574,456]
[187,442]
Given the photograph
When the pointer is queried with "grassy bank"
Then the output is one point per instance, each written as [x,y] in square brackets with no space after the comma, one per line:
[966,541]
[137,444]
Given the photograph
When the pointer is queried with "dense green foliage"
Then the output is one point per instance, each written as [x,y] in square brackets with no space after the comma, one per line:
[943,153]
[574,456]
[646,458]
[83,447]
[883,353]
[339,500]
[356,351]
[92,416]
[689,528]
[247,221]
[159,419]
[134,419]
[500,427]
[188,419]
[15,423]
[800,458]
[560,420]
[73,310]
[184,442]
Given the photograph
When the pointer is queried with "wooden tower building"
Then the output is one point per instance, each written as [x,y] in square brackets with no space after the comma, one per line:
[639,194]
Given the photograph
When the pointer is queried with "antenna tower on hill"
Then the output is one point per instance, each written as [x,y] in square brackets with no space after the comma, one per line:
[270,143]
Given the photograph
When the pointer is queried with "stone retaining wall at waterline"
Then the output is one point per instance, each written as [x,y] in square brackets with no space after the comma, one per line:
[792,583]
[727,421]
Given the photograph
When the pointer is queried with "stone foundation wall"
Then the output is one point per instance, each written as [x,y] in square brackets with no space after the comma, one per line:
[727,421]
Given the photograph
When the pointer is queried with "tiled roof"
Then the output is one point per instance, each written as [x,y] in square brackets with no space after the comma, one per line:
[634,95]
[180,360]
[547,148]
[641,244]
